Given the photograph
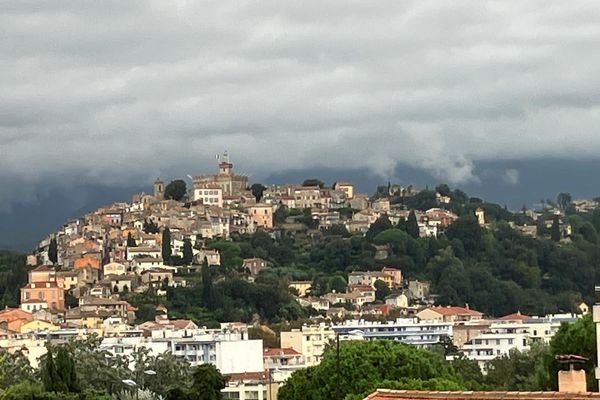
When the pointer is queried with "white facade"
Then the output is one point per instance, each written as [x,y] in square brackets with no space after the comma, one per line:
[488,346]
[230,352]
[212,196]
[405,330]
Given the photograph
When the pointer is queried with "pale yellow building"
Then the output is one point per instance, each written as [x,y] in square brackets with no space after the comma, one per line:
[345,187]
[302,287]
[37,325]
[310,341]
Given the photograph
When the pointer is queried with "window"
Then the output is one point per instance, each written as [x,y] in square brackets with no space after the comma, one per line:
[231,395]
[251,394]
[510,341]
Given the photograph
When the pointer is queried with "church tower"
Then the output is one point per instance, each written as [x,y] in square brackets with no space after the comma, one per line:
[225,167]
[159,189]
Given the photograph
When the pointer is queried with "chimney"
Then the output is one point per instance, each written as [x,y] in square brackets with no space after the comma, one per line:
[572,380]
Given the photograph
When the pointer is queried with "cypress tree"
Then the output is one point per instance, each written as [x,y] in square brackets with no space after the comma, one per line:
[49,375]
[65,371]
[555,230]
[412,226]
[131,241]
[53,251]
[166,245]
[207,288]
[188,254]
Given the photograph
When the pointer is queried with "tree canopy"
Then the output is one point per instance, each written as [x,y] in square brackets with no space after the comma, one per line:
[367,365]
[176,190]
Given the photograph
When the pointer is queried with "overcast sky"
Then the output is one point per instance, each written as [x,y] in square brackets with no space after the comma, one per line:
[115,92]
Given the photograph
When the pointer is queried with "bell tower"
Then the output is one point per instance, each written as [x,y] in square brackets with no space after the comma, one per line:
[225,167]
[159,189]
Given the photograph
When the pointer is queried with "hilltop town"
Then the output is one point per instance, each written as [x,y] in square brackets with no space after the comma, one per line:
[255,278]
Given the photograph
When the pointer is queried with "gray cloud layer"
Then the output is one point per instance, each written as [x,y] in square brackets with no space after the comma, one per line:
[115,91]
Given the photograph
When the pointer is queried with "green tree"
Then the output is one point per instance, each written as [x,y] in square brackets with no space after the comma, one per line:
[563,200]
[555,230]
[65,371]
[381,224]
[517,370]
[596,219]
[381,290]
[412,226]
[188,253]
[588,232]
[578,338]
[443,189]
[14,367]
[166,245]
[207,285]
[366,366]
[49,375]
[207,383]
[150,227]
[130,240]
[176,190]
[53,251]
[169,371]
[396,238]
[257,190]
[469,371]
[467,230]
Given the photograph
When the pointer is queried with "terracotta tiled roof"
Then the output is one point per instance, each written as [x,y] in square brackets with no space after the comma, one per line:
[453,310]
[276,351]
[381,394]
[515,317]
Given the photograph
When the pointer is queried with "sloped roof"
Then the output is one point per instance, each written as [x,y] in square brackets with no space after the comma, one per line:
[381,394]
[515,317]
[454,310]
[277,351]
[43,268]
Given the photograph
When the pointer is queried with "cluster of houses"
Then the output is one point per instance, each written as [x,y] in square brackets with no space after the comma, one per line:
[118,248]
[79,290]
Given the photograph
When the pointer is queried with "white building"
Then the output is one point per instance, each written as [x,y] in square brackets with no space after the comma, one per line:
[230,351]
[498,342]
[211,195]
[406,330]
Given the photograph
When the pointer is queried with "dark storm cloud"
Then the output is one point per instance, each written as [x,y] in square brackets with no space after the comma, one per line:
[123,91]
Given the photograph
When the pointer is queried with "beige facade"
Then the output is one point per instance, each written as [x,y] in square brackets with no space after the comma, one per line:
[307,196]
[262,215]
[302,287]
[310,341]
[345,187]
[230,183]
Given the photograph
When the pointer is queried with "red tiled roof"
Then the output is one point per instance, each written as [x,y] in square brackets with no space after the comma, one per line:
[181,323]
[453,310]
[382,394]
[276,351]
[515,317]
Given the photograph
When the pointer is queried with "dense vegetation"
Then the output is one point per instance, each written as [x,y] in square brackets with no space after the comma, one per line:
[13,275]
[81,370]
[366,366]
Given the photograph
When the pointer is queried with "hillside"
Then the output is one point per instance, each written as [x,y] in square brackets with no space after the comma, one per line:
[535,262]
